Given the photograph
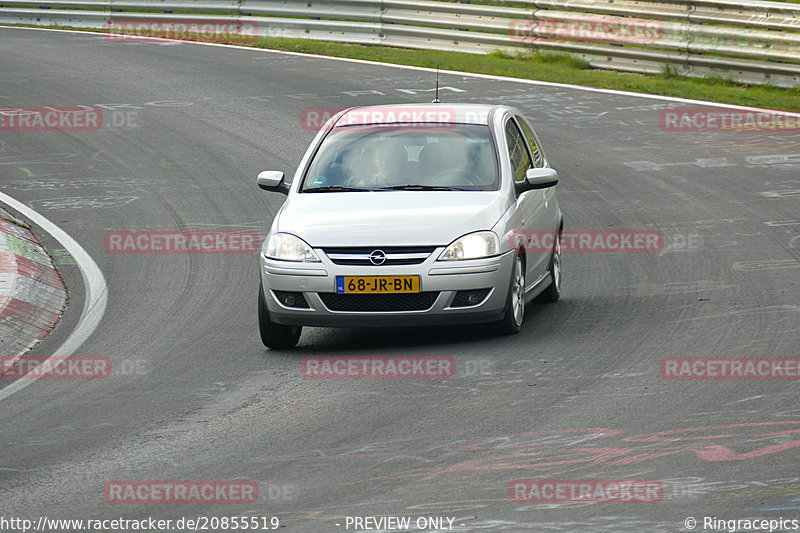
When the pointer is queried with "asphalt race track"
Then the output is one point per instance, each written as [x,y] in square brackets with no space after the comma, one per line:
[577,395]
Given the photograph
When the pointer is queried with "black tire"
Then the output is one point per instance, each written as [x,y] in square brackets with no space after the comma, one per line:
[275,336]
[553,291]
[515,303]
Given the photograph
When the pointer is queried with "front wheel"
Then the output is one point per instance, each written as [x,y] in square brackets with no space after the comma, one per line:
[515,304]
[275,336]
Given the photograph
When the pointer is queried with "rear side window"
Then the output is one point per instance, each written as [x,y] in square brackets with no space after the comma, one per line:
[538,158]
[517,152]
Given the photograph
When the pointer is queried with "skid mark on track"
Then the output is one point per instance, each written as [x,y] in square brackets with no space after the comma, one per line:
[766,264]
[793,504]
[555,452]
[788,193]
[772,309]
[84,202]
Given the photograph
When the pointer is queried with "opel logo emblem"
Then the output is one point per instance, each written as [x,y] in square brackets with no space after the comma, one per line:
[377,257]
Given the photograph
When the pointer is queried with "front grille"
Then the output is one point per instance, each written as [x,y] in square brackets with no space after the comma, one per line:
[418,301]
[395,255]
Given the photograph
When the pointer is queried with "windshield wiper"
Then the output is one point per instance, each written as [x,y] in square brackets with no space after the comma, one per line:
[417,187]
[335,188]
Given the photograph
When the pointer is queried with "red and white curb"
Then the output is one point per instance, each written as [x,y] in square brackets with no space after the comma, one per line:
[32,293]
[94,284]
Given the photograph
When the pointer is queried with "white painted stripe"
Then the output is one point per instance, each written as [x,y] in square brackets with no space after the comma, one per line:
[454,72]
[94,306]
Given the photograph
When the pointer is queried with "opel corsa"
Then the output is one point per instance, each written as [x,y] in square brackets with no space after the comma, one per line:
[412,215]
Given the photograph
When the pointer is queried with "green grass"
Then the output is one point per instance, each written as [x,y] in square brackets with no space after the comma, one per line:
[559,68]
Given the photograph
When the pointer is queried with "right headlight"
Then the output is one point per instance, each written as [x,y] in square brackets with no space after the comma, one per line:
[287,247]
[472,246]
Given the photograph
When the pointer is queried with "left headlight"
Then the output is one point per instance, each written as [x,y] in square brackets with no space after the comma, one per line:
[472,246]
[287,247]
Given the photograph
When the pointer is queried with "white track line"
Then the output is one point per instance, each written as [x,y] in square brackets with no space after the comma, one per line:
[455,72]
[94,306]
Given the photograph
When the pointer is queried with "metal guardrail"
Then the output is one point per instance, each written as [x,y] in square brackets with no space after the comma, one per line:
[748,41]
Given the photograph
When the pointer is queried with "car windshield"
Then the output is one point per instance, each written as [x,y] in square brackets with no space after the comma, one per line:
[418,157]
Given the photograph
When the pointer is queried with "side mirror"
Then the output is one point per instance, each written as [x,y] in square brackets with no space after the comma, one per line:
[541,178]
[272,180]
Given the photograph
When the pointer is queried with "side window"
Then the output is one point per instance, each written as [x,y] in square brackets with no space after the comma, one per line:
[538,158]
[520,160]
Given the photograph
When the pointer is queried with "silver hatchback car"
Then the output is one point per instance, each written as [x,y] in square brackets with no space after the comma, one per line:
[412,215]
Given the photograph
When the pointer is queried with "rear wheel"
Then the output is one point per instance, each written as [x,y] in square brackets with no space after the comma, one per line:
[553,292]
[276,336]
[515,304]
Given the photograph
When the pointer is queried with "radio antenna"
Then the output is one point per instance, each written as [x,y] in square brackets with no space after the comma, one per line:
[436,98]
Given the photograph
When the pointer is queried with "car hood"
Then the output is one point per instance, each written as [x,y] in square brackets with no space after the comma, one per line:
[389,218]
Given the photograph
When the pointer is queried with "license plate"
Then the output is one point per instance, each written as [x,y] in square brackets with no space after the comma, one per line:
[376,284]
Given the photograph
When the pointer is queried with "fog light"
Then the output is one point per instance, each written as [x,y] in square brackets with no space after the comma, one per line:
[291,299]
[469,298]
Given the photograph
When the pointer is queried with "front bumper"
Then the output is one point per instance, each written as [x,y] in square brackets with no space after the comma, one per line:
[442,279]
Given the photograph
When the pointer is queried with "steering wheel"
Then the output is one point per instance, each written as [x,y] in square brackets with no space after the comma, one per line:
[470,176]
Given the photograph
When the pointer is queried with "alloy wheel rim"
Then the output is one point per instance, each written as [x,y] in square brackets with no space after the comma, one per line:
[519,293]
[557,264]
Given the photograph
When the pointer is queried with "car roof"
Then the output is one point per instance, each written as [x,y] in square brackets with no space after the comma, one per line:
[416,114]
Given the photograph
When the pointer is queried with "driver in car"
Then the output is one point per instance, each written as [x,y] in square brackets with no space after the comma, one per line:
[382,165]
